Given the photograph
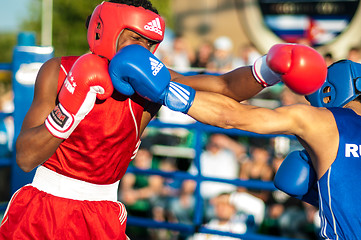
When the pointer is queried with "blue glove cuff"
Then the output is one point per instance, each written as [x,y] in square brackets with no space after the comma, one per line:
[179,97]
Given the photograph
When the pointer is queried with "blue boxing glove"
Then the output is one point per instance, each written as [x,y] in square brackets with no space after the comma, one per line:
[297,177]
[134,68]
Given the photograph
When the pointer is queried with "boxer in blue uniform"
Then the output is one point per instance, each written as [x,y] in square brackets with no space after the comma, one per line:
[327,172]
[337,190]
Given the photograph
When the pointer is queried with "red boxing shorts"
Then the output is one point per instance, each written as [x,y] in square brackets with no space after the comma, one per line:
[34,213]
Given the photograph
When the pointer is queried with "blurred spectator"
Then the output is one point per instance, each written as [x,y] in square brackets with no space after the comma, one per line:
[248,54]
[226,142]
[182,207]
[288,97]
[222,60]
[171,188]
[258,166]
[226,219]
[180,56]
[221,152]
[250,205]
[276,203]
[328,58]
[179,136]
[354,54]
[217,161]
[203,55]
[313,221]
[138,191]
[287,216]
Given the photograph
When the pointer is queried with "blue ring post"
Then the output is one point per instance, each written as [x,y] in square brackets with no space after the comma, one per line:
[27,60]
[199,207]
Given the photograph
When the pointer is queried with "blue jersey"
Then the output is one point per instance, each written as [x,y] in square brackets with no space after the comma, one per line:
[340,186]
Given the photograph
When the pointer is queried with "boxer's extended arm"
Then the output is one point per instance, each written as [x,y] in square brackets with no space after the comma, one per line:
[221,111]
[238,84]
[315,127]
[35,144]
[149,78]
[298,66]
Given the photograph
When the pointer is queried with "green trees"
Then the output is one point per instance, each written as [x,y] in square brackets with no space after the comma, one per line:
[69,17]
[69,31]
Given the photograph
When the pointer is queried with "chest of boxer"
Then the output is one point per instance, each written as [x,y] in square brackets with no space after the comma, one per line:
[101,147]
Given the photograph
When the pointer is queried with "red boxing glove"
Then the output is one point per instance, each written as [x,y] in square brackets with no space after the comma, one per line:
[87,80]
[300,67]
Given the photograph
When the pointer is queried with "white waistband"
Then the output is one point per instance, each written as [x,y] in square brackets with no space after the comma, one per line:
[61,186]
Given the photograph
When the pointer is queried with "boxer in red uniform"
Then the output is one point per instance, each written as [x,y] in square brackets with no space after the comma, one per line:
[80,135]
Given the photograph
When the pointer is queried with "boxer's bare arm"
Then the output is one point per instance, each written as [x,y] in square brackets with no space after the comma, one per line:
[215,109]
[149,112]
[35,144]
[314,127]
[238,84]
[300,67]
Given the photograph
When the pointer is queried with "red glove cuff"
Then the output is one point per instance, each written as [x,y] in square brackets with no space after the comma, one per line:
[263,74]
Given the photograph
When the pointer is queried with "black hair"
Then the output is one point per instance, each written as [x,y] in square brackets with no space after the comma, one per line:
[137,3]
[146,4]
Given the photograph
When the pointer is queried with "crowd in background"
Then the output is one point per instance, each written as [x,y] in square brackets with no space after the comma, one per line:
[226,207]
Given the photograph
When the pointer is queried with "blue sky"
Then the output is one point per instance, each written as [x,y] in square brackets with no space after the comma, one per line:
[11,14]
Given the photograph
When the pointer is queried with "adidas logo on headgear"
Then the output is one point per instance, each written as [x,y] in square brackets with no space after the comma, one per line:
[156,66]
[154,26]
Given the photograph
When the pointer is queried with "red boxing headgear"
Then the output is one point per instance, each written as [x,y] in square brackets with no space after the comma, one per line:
[110,19]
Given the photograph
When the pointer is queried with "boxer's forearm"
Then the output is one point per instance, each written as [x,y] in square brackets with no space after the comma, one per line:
[238,84]
[215,109]
[34,146]
[221,111]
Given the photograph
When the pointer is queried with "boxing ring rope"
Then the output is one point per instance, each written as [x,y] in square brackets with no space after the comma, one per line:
[197,227]
[5,66]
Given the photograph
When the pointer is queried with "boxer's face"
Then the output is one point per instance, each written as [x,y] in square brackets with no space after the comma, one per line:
[128,37]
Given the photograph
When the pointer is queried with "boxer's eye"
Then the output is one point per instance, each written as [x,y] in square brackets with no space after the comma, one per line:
[151,44]
[136,38]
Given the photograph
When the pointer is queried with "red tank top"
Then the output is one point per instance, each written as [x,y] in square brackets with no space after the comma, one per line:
[106,140]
